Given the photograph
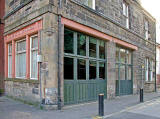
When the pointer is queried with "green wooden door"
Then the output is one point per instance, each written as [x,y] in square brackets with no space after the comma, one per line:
[124,87]
[83,91]
[85,67]
[124,71]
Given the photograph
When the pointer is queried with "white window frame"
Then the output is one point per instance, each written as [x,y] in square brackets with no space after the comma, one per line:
[9,55]
[146,69]
[24,77]
[126,13]
[151,70]
[31,58]
[93,4]
[146,27]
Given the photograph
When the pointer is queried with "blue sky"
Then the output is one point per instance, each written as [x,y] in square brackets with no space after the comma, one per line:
[153,7]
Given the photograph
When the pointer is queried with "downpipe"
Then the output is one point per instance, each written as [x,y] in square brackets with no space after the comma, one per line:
[59,57]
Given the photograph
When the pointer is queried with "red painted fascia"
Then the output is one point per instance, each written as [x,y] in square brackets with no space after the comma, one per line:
[95,33]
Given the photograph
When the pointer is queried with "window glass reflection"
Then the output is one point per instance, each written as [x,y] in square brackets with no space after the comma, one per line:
[92,70]
[102,70]
[122,55]
[101,49]
[81,44]
[68,41]
[122,72]
[81,69]
[92,47]
[68,68]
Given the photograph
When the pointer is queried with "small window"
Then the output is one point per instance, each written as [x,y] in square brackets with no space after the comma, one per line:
[117,71]
[68,41]
[33,57]
[21,59]
[89,3]
[92,47]
[68,68]
[129,73]
[122,55]
[151,70]
[81,44]
[9,60]
[146,69]
[117,54]
[101,70]
[81,69]
[126,13]
[101,49]
[92,70]
[128,57]
[146,30]
[122,72]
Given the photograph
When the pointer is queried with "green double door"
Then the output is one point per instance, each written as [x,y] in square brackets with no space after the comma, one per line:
[78,91]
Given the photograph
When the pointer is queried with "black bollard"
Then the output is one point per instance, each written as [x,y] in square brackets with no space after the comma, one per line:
[141,95]
[101,104]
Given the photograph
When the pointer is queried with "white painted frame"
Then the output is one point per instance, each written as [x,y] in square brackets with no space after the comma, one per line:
[93,4]
[36,35]
[146,26]
[9,54]
[126,13]
[16,59]
[146,71]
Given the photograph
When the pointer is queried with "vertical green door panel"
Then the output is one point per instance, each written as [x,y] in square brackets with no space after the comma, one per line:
[126,87]
[83,91]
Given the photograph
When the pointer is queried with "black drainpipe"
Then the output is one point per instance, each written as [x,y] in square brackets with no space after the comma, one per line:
[59,57]
[156,67]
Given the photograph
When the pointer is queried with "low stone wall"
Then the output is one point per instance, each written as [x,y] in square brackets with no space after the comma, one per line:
[23,89]
[149,87]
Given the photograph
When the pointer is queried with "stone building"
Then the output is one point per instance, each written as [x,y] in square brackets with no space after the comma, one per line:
[2,5]
[61,52]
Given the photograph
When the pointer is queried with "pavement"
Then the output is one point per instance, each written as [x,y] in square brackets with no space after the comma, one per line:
[125,107]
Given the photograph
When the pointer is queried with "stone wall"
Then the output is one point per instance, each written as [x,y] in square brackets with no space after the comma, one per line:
[149,87]
[27,90]
[108,18]
[112,11]
[34,11]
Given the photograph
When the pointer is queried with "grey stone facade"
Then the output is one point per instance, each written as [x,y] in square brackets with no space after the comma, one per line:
[106,18]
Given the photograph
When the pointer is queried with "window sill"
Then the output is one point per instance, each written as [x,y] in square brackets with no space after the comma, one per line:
[149,82]
[36,79]
[22,80]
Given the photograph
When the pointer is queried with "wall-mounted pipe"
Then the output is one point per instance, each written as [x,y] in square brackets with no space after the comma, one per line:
[59,57]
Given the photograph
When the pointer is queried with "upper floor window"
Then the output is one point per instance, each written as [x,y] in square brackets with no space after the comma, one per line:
[146,30]
[126,13]
[89,3]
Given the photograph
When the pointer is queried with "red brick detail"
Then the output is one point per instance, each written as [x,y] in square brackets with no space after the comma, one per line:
[25,32]
[13,59]
[27,57]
